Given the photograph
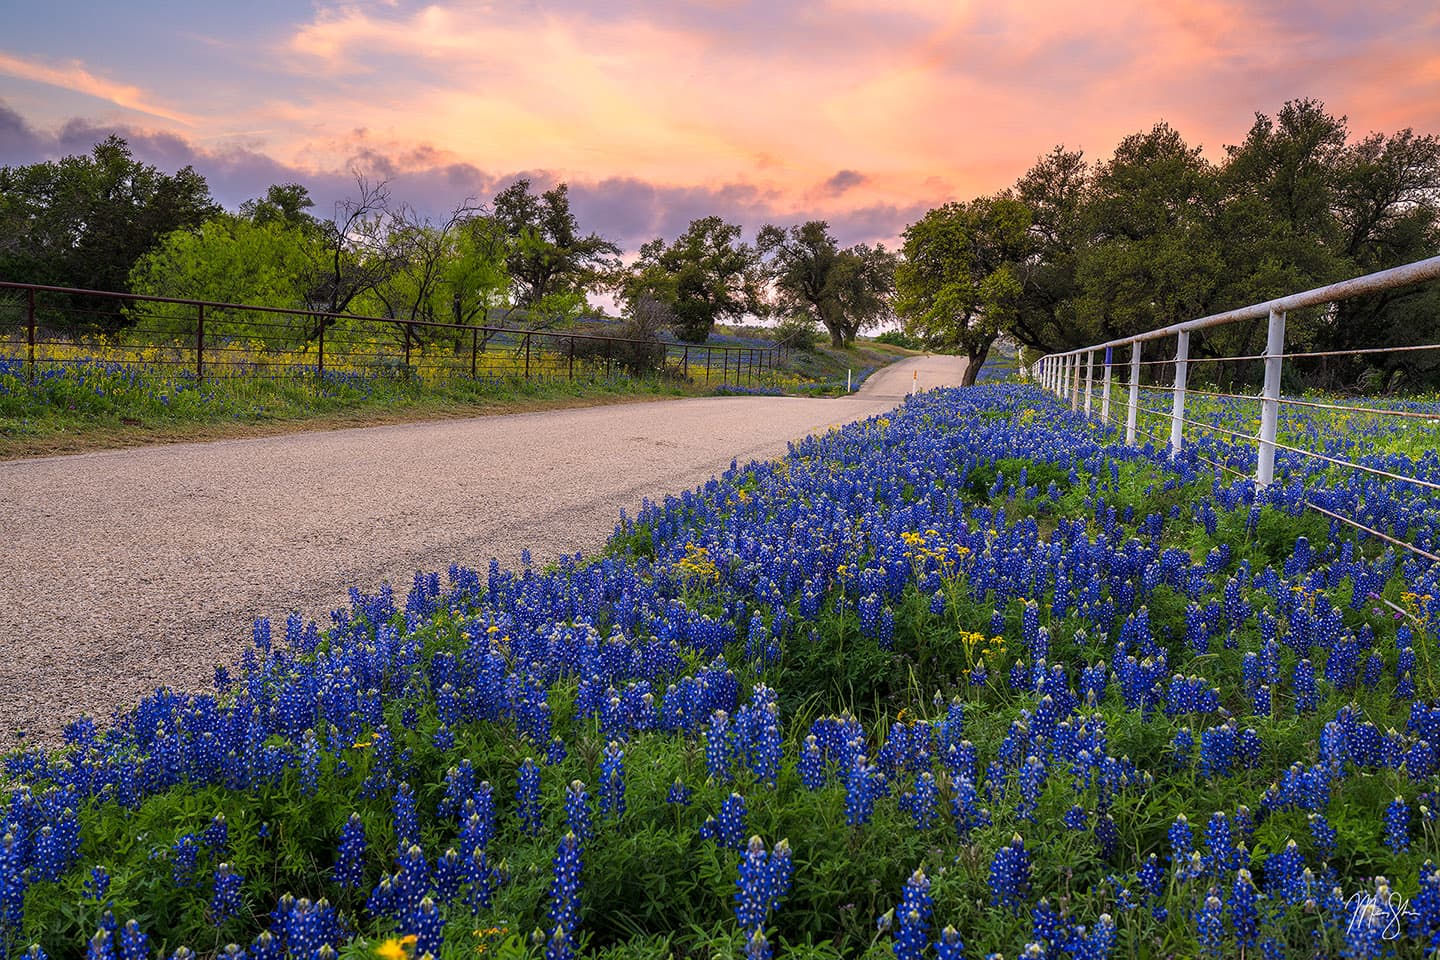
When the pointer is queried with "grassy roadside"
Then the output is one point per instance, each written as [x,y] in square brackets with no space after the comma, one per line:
[109,406]
[52,431]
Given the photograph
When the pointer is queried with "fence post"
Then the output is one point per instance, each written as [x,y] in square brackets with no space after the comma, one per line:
[572,357]
[474,352]
[1075,384]
[527,355]
[320,352]
[1132,404]
[707,366]
[407,348]
[608,345]
[1270,404]
[1105,393]
[685,363]
[1089,379]
[200,343]
[30,331]
[1177,410]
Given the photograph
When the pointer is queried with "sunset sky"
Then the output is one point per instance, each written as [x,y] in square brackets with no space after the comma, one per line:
[861,113]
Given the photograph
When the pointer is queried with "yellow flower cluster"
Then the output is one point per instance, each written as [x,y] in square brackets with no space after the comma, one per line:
[696,568]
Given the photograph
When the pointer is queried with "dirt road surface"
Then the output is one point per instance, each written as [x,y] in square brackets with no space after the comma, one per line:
[125,570]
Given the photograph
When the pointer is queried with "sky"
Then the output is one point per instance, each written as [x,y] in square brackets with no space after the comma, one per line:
[864,113]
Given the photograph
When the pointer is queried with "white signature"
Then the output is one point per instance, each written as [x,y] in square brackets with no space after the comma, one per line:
[1372,908]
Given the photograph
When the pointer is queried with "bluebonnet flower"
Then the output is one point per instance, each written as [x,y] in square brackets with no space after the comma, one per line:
[949,946]
[1244,916]
[225,900]
[428,926]
[719,747]
[406,818]
[612,782]
[97,887]
[577,810]
[1323,834]
[1397,825]
[182,860]
[565,899]
[679,794]
[812,764]
[965,808]
[1210,926]
[217,836]
[309,764]
[134,944]
[1076,818]
[480,880]
[859,793]
[913,936]
[1010,875]
[921,802]
[728,829]
[763,880]
[527,798]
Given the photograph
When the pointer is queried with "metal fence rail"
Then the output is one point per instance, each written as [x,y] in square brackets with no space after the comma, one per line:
[50,327]
[1073,375]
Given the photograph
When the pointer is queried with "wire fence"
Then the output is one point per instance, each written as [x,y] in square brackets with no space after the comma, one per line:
[1241,434]
[56,328]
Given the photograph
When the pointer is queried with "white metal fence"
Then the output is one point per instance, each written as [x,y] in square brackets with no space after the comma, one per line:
[1087,376]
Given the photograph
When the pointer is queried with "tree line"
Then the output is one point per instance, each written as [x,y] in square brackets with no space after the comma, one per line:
[109,222]
[1075,252]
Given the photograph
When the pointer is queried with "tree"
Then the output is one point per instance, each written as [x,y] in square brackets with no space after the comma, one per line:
[1153,252]
[83,221]
[230,259]
[705,276]
[355,253]
[846,290]
[957,283]
[443,273]
[1055,190]
[550,264]
[284,203]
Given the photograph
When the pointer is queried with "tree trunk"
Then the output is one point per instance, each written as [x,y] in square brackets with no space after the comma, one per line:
[837,340]
[974,360]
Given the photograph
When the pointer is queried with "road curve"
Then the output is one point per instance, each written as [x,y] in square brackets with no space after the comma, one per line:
[124,570]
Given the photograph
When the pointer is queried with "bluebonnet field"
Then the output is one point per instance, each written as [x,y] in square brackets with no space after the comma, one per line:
[970,679]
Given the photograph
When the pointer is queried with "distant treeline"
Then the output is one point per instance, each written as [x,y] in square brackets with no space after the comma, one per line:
[1077,253]
[1074,253]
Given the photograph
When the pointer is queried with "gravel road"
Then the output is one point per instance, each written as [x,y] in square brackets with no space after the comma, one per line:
[125,570]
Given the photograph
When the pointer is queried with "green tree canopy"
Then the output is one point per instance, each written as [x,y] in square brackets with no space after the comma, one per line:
[83,221]
[957,283]
[550,263]
[705,276]
[230,259]
[846,290]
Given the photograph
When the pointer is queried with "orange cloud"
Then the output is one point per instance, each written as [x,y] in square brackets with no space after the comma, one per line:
[74,76]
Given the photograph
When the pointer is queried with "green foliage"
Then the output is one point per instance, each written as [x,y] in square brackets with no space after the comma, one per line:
[230,260]
[548,260]
[798,331]
[845,290]
[707,275]
[957,284]
[1157,234]
[83,221]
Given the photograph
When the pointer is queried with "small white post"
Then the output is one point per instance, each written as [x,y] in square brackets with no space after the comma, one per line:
[1133,403]
[1270,402]
[914,382]
[1177,410]
[847,379]
[1105,394]
[1089,379]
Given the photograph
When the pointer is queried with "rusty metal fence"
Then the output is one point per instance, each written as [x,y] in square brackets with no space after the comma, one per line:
[48,328]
